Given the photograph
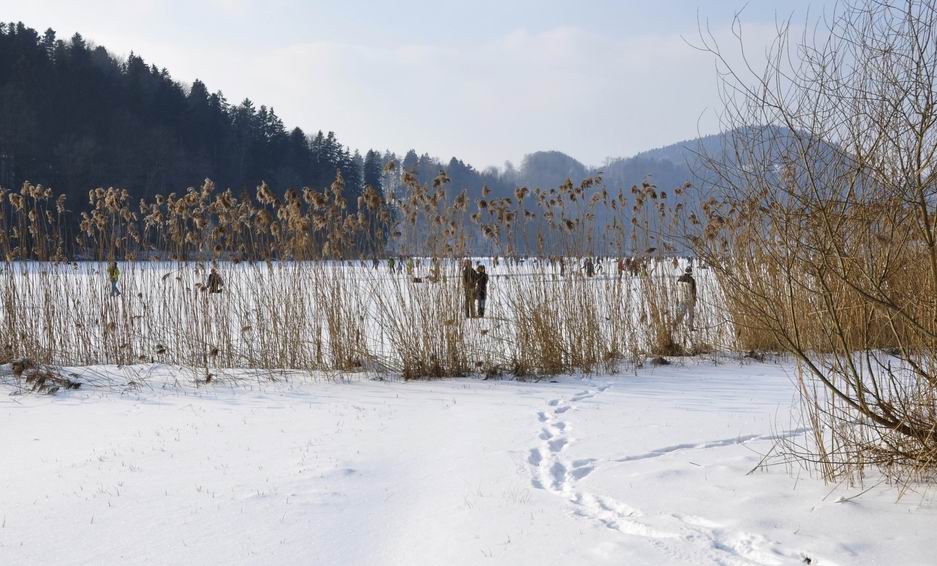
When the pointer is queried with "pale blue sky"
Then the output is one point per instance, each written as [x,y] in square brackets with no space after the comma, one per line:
[484,80]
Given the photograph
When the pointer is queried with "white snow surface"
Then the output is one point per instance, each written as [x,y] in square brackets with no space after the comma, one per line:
[637,468]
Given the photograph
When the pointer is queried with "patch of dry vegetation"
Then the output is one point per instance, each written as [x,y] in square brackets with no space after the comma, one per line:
[308,283]
[822,229]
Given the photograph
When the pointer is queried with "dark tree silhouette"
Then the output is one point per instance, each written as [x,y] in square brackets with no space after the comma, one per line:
[75,117]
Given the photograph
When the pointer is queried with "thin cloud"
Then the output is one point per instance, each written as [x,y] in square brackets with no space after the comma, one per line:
[571,88]
[564,89]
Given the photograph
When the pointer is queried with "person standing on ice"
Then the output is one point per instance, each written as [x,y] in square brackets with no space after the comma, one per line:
[589,267]
[469,277]
[113,274]
[481,289]
[686,291]
[215,284]
[390,264]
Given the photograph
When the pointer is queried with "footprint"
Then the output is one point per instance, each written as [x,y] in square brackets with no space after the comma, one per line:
[615,516]
[545,434]
[557,445]
[558,472]
[542,417]
[561,410]
[579,473]
[535,457]
[609,504]
[582,468]
[589,394]
[752,547]
[554,402]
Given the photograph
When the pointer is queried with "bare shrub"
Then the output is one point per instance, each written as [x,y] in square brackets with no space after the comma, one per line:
[822,226]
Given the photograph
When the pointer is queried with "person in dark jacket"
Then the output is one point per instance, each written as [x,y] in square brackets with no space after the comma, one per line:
[113,274]
[481,289]
[469,276]
[215,284]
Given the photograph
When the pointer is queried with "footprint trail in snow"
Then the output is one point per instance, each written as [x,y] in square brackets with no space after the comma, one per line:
[681,537]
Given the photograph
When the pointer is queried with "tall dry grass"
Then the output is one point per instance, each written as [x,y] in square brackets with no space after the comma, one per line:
[308,284]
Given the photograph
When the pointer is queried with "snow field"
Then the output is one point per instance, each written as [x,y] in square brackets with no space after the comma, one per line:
[650,468]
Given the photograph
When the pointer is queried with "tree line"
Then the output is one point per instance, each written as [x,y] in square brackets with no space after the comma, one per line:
[75,117]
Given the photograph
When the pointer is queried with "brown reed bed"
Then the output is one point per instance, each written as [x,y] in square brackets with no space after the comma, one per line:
[308,284]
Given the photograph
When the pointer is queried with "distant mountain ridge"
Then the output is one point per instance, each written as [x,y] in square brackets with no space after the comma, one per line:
[667,166]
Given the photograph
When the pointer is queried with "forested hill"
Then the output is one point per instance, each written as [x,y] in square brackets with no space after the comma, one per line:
[74,117]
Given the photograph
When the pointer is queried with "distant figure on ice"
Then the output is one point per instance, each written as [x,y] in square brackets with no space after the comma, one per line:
[639,266]
[469,277]
[113,274]
[390,264]
[589,267]
[215,284]
[410,266]
[434,270]
[686,290]
[481,289]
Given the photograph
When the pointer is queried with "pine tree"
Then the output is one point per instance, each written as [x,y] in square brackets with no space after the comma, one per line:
[373,171]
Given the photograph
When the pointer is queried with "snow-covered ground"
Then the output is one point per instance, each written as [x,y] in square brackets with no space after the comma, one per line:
[626,469]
